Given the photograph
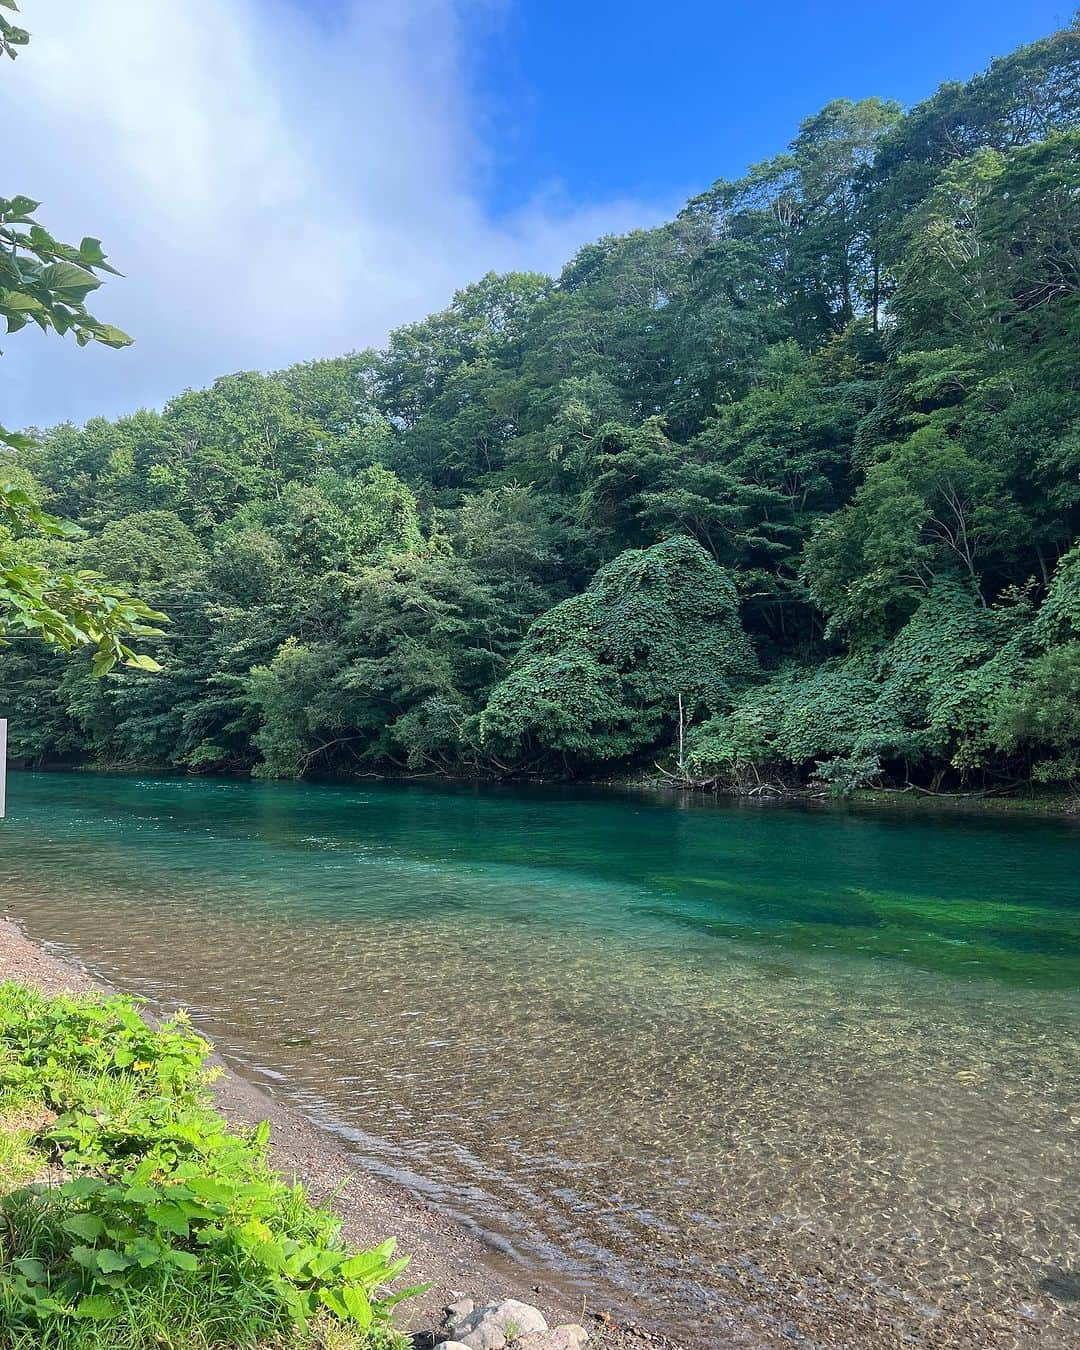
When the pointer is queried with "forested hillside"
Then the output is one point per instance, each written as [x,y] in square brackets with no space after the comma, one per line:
[787,489]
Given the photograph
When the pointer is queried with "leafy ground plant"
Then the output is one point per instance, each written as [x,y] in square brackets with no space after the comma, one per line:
[148,1223]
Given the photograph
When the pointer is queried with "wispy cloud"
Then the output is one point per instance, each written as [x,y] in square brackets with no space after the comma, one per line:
[274,188]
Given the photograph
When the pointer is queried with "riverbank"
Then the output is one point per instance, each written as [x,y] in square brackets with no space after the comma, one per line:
[1051,806]
[456,1263]
[1045,804]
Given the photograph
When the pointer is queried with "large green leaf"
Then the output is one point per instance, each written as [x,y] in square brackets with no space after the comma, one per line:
[87,1226]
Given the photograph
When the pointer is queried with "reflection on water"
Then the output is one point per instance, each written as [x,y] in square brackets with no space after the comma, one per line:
[813,1074]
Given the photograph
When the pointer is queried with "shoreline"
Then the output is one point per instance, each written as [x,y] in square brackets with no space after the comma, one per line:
[1061,806]
[456,1261]
[1048,806]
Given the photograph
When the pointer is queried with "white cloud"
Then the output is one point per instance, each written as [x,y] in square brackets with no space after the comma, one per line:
[274,188]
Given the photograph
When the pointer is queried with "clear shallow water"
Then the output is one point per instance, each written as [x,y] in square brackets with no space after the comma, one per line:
[812,1075]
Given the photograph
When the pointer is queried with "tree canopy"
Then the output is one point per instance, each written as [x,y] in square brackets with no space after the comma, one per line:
[795,474]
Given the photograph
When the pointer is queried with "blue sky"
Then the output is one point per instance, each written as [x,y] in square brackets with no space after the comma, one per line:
[287,179]
[659,97]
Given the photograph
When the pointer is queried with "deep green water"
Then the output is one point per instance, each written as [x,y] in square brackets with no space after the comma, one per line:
[811,1073]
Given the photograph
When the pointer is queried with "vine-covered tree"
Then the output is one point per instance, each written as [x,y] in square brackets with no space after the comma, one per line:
[653,640]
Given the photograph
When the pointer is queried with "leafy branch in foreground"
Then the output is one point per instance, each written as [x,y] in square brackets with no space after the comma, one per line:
[41,279]
[66,609]
[11,35]
[46,282]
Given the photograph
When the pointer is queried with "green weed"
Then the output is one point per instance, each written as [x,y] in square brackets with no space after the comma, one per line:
[170,1230]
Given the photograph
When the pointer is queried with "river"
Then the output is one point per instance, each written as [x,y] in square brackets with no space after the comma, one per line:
[797,1076]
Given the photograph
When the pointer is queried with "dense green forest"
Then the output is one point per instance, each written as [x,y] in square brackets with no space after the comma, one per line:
[785,490]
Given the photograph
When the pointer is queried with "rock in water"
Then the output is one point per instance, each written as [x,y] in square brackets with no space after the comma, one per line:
[496,1324]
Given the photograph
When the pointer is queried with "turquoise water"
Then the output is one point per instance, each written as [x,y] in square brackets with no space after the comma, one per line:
[796,1075]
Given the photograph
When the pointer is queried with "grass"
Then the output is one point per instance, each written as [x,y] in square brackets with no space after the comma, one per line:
[20,1160]
[132,1217]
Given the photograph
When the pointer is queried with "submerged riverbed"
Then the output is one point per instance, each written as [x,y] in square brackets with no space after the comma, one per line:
[798,1076]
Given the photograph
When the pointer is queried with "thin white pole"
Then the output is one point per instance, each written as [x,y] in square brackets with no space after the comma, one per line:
[3,767]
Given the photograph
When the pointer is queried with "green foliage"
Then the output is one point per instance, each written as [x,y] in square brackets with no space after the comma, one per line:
[1042,714]
[45,282]
[601,675]
[67,609]
[161,1203]
[284,692]
[338,524]
[1059,618]
[11,35]
[421,639]
[931,509]
[830,410]
[146,549]
[927,699]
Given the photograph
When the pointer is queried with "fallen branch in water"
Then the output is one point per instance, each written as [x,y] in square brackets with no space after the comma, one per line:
[964,796]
